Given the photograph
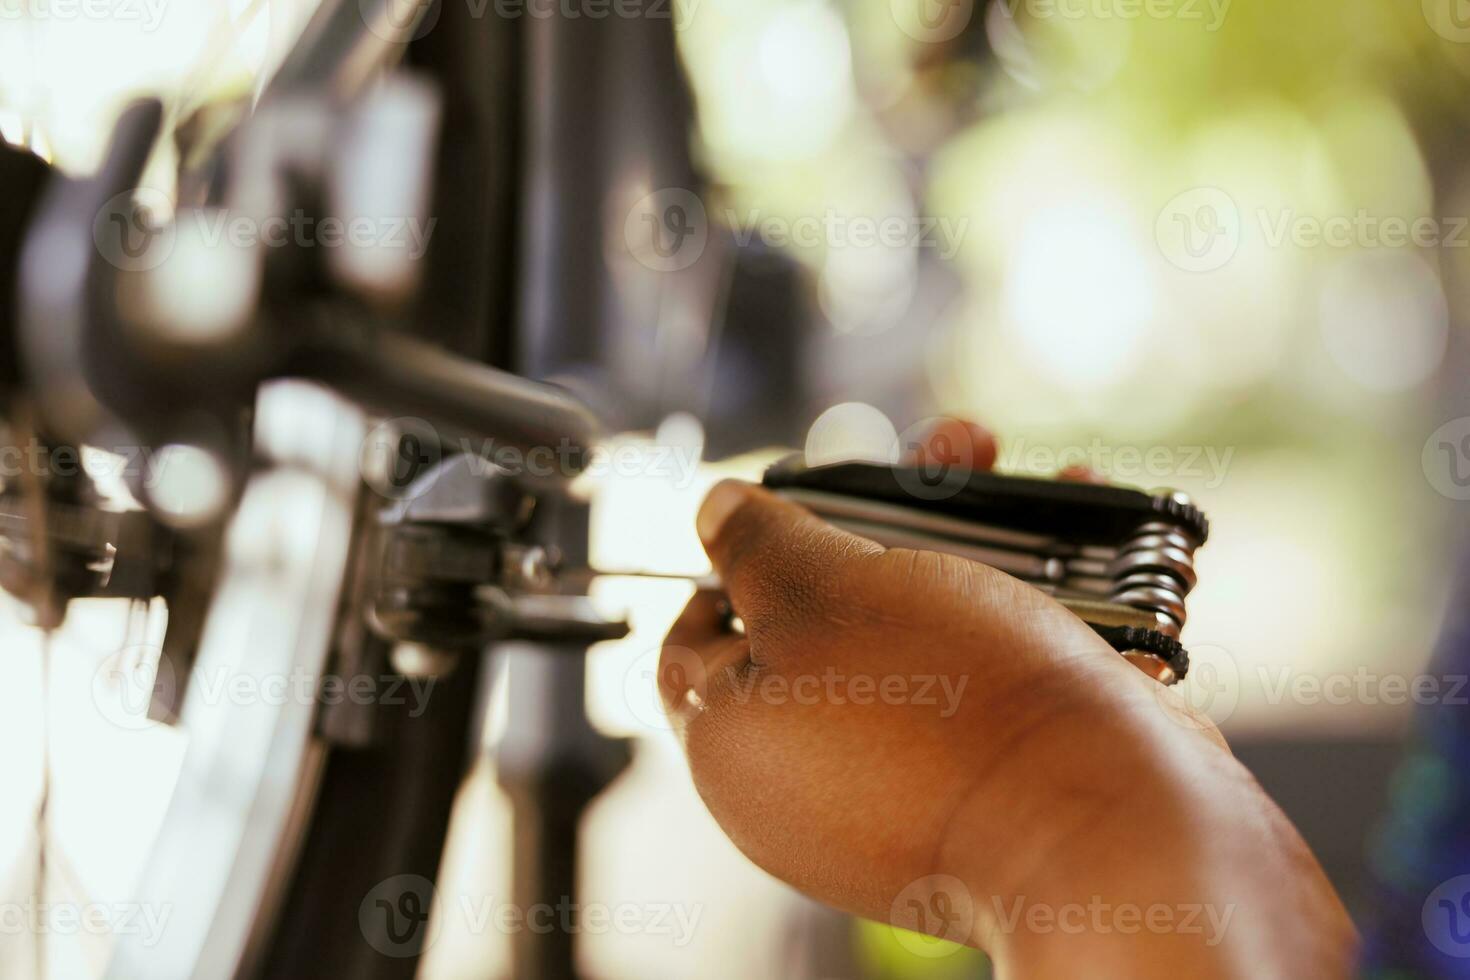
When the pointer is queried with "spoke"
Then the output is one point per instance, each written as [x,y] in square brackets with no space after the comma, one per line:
[68,887]
[38,888]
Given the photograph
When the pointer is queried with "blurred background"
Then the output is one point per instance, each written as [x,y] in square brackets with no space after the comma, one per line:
[1211,245]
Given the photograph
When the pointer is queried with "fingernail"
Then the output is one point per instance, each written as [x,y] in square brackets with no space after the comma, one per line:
[717,508]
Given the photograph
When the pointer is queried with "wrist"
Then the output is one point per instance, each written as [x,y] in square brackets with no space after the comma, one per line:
[1150,852]
[1126,790]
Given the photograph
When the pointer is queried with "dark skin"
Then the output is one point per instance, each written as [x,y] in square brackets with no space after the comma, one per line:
[1053,776]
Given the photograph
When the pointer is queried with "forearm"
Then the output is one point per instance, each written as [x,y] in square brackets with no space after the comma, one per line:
[1170,862]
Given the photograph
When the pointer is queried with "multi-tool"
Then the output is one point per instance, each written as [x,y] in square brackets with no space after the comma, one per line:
[1120,559]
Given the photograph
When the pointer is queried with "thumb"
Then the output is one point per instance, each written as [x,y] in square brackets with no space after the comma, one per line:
[779,563]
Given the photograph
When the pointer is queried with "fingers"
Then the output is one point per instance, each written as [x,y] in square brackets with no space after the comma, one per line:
[777,561]
[697,649]
[959,443]
[704,619]
[1080,473]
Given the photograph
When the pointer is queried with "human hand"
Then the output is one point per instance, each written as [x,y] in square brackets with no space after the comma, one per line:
[895,724]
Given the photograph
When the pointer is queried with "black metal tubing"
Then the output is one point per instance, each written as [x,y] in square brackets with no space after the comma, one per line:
[386,370]
[403,375]
[604,109]
[469,290]
[23,175]
[345,45]
[381,812]
[552,764]
[384,810]
[63,280]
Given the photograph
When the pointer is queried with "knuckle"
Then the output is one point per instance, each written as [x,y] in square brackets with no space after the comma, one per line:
[795,582]
[928,571]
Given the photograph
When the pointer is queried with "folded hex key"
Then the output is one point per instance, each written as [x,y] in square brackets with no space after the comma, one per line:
[1120,559]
